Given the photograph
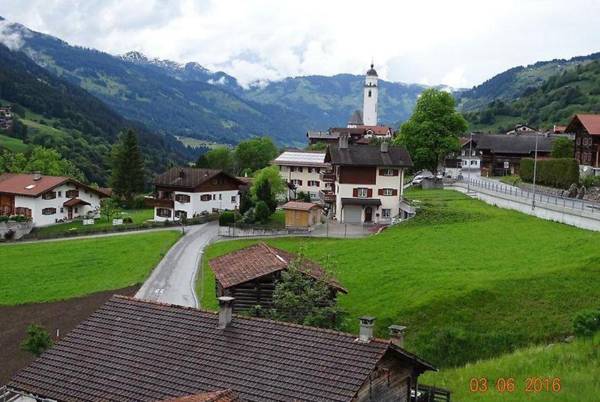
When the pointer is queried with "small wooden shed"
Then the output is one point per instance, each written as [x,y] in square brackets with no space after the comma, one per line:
[301,215]
[249,274]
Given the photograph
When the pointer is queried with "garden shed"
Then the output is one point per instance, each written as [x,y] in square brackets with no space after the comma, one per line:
[301,215]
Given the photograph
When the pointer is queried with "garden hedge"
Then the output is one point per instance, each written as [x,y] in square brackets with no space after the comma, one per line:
[559,172]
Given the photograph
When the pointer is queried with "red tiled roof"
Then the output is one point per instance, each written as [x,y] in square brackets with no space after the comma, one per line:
[226,395]
[591,122]
[377,130]
[259,260]
[24,184]
[300,206]
[143,351]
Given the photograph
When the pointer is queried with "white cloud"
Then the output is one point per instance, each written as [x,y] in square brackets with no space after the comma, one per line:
[458,43]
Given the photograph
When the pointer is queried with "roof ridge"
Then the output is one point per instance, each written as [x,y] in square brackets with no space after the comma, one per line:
[244,317]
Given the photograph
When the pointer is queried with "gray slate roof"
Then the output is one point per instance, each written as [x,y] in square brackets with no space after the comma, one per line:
[356,118]
[136,350]
[368,155]
[513,144]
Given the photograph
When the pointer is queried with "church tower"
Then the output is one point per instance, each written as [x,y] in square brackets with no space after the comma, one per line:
[370,98]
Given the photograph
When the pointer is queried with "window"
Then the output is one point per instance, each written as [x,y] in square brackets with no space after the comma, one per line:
[220,196]
[50,195]
[62,210]
[76,210]
[473,162]
[60,193]
[313,183]
[180,214]
[48,211]
[388,191]
[163,212]
[363,192]
[300,169]
[388,172]
[214,196]
[296,182]
[578,141]
[369,93]
[386,213]
[318,170]
[183,198]
[292,168]
[72,193]
[205,197]
[233,199]
[310,170]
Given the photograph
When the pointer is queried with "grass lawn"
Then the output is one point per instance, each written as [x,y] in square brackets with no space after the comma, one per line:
[49,271]
[469,280]
[576,365]
[13,144]
[137,215]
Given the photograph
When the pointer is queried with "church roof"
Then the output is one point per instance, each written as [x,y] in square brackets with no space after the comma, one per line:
[372,71]
[356,118]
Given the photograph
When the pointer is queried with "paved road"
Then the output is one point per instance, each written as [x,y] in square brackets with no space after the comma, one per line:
[173,279]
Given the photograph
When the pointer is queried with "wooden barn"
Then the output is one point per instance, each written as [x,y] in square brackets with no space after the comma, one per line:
[249,275]
[301,215]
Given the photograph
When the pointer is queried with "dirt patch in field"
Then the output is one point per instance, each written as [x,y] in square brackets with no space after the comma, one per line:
[62,316]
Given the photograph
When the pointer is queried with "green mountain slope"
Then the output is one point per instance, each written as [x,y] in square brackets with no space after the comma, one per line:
[554,101]
[66,118]
[518,81]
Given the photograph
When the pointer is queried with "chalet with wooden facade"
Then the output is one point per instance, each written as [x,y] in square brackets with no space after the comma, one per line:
[185,192]
[249,275]
[367,182]
[47,199]
[586,128]
[301,171]
[131,349]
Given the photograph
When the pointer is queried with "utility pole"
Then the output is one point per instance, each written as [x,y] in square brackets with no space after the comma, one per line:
[534,170]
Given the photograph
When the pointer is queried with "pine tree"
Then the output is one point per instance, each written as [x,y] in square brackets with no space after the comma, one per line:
[127,166]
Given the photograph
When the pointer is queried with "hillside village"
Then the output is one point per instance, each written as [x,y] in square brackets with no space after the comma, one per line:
[431,260]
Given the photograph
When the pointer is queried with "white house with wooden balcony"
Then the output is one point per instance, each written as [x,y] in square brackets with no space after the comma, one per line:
[47,199]
[301,170]
[184,192]
[367,182]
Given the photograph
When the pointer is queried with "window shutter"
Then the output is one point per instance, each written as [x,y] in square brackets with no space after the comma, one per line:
[395,172]
[380,191]
[394,192]
[355,192]
[381,172]
[369,192]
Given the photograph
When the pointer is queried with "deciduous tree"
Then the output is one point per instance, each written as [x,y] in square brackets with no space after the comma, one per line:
[254,154]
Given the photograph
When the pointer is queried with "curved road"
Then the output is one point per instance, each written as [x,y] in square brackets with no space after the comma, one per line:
[173,279]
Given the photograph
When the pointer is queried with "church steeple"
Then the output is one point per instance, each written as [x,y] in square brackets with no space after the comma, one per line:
[370,93]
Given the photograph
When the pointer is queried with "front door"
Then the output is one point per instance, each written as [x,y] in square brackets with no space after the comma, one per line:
[70,213]
[368,214]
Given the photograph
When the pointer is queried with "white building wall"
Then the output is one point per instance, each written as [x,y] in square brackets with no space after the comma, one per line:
[219,200]
[305,176]
[370,94]
[38,204]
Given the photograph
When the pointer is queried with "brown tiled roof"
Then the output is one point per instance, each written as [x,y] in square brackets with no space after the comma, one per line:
[368,155]
[300,206]
[259,260]
[74,201]
[24,184]
[136,350]
[377,130]
[187,177]
[226,395]
[591,122]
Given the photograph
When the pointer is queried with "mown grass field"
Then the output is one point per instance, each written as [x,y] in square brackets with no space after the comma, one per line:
[470,281]
[50,271]
[137,215]
[575,365]
[13,144]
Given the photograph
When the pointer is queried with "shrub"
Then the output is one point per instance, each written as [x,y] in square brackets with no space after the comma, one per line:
[302,196]
[3,218]
[261,212]
[228,218]
[559,173]
[587,322]
[127,219]
[9,235]
[591,181]
[37,341]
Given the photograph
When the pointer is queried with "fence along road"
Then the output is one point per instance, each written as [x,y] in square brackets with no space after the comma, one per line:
[575,212]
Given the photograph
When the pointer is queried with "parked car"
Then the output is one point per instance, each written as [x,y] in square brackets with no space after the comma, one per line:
[424,174]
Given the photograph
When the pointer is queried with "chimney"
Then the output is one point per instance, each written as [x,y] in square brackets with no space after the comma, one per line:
[366,329]
[397,335]
[37,176]
[225,309]
[385,146]
[343,141]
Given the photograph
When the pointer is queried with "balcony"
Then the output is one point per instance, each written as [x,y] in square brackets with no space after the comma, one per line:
[327,176]
[327,196]
[158,202]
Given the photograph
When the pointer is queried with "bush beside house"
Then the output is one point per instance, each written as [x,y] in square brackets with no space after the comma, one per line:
[559,172]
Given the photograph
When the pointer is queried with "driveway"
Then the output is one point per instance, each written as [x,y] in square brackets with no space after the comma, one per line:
[173,279]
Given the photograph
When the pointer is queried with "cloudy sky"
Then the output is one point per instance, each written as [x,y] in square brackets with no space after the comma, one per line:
[458,43]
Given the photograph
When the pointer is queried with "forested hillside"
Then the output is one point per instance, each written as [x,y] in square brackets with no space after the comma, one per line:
[63,117]
[574,90]
[517,81]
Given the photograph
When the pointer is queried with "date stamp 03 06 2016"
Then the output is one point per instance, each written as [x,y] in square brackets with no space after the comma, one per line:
[533,385]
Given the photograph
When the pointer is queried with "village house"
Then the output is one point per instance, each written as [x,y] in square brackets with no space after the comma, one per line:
[301,171]
[47,199]
[586,128]
[367,182]
[249,275]
[6,118]
[138,350]
[521,129]
[185,192]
